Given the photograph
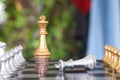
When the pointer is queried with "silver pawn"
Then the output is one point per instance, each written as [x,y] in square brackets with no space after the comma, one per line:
[3,70]
[11,61]
[2,48]
[20,55]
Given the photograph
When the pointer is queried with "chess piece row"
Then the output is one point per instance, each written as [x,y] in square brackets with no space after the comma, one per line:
[88,62]
[11,62]
[112,58]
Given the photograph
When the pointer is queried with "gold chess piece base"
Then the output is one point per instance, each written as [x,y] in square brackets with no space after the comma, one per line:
[41,65]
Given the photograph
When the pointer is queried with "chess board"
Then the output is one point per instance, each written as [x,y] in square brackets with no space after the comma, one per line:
[98,73]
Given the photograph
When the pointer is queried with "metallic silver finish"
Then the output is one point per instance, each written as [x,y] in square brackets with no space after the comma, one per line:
[11,62]
[2,48]
[89,62]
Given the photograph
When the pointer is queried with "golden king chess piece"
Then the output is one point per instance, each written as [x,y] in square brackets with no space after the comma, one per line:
[42,53]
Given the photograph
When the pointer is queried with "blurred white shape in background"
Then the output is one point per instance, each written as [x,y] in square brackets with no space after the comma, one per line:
[2,13]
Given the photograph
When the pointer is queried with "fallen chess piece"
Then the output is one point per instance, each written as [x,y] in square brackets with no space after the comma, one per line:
[88,62]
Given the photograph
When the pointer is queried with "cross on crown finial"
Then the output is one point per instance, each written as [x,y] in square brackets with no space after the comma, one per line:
[42,18]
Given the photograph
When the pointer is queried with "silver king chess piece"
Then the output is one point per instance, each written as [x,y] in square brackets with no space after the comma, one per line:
[89,62]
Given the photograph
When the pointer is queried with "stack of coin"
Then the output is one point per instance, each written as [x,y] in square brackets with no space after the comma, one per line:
[41,65]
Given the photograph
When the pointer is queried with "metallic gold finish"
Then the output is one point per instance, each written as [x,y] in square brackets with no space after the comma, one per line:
[109,55]
[111,60]
[42,50]
[106,53]
[115,59]
[42,53]
[117,68]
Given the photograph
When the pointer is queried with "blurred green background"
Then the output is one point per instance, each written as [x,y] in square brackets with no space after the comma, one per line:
[20,27]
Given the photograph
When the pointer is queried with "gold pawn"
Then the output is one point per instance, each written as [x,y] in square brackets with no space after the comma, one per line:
[109,55]
[117,68]
[106,53]
[111,60]
[114,62]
